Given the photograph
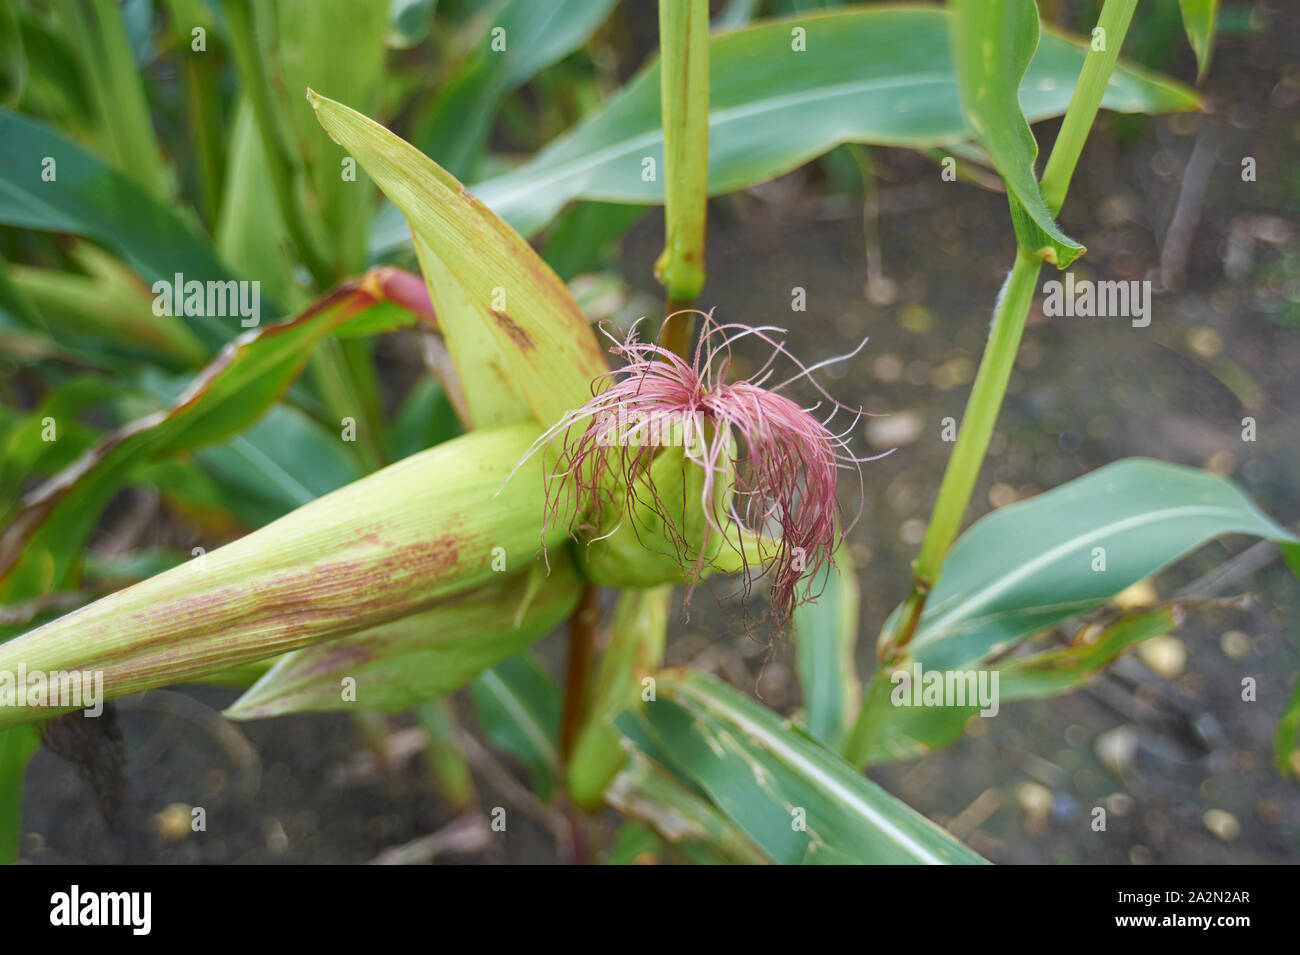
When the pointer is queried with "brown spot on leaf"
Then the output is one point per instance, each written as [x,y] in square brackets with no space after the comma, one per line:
[521,339]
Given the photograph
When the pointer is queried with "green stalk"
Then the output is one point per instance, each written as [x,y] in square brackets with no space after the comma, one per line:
[995,367]
[1115,18]
[981,414]
[684,92]
[684,103]
[279,164]
[118,92]
[337,379]
[202,74]
[342,390]
[444,754]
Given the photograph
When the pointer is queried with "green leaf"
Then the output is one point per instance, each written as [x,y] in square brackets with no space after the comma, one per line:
[1039,675]
[250,232]
[798,801]
[286,460]
[1199,20]
[426,418]
[445,753]
[869,75]
[90,199]
[16,747]
[993,44]
[519,706]
[826,639]
[16,307]
[536,34]
[509,322]
[336,46]
[633,843]
[408,22]
[584,236]
[108,319]
[57,88]
[13,62]
[116,83]
[39,549]
[421,657]
[645,790]
[1028,566]
[907,732]
[24,452]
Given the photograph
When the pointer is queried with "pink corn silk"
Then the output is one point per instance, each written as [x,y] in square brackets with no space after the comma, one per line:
[785,460]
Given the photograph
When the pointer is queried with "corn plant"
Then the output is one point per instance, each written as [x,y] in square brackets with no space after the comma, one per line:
[194,289]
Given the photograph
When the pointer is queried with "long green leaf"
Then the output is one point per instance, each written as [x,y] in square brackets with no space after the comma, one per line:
[39,549]
[523,38]
[508,320]
[869,75]
[250,232]
[336,46]
[993,43]
[825,640]
[108,318]
[116,84]
[24,452]
[286,460]
[907,732]
[798,801]
[518,706]
[648,792]
[88,198]
[1033,564]
[1200,18]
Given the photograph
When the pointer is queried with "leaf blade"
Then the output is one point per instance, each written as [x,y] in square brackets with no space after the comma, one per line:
[540,337]
[1200,20]
[519,705]
[90,199]
[993,44]
[1027,566]
[826,636]
[849,91]
[759,770]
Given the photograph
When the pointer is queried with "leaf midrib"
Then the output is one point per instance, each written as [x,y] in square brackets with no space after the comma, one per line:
[815,773]
[564,169]
[933,630]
